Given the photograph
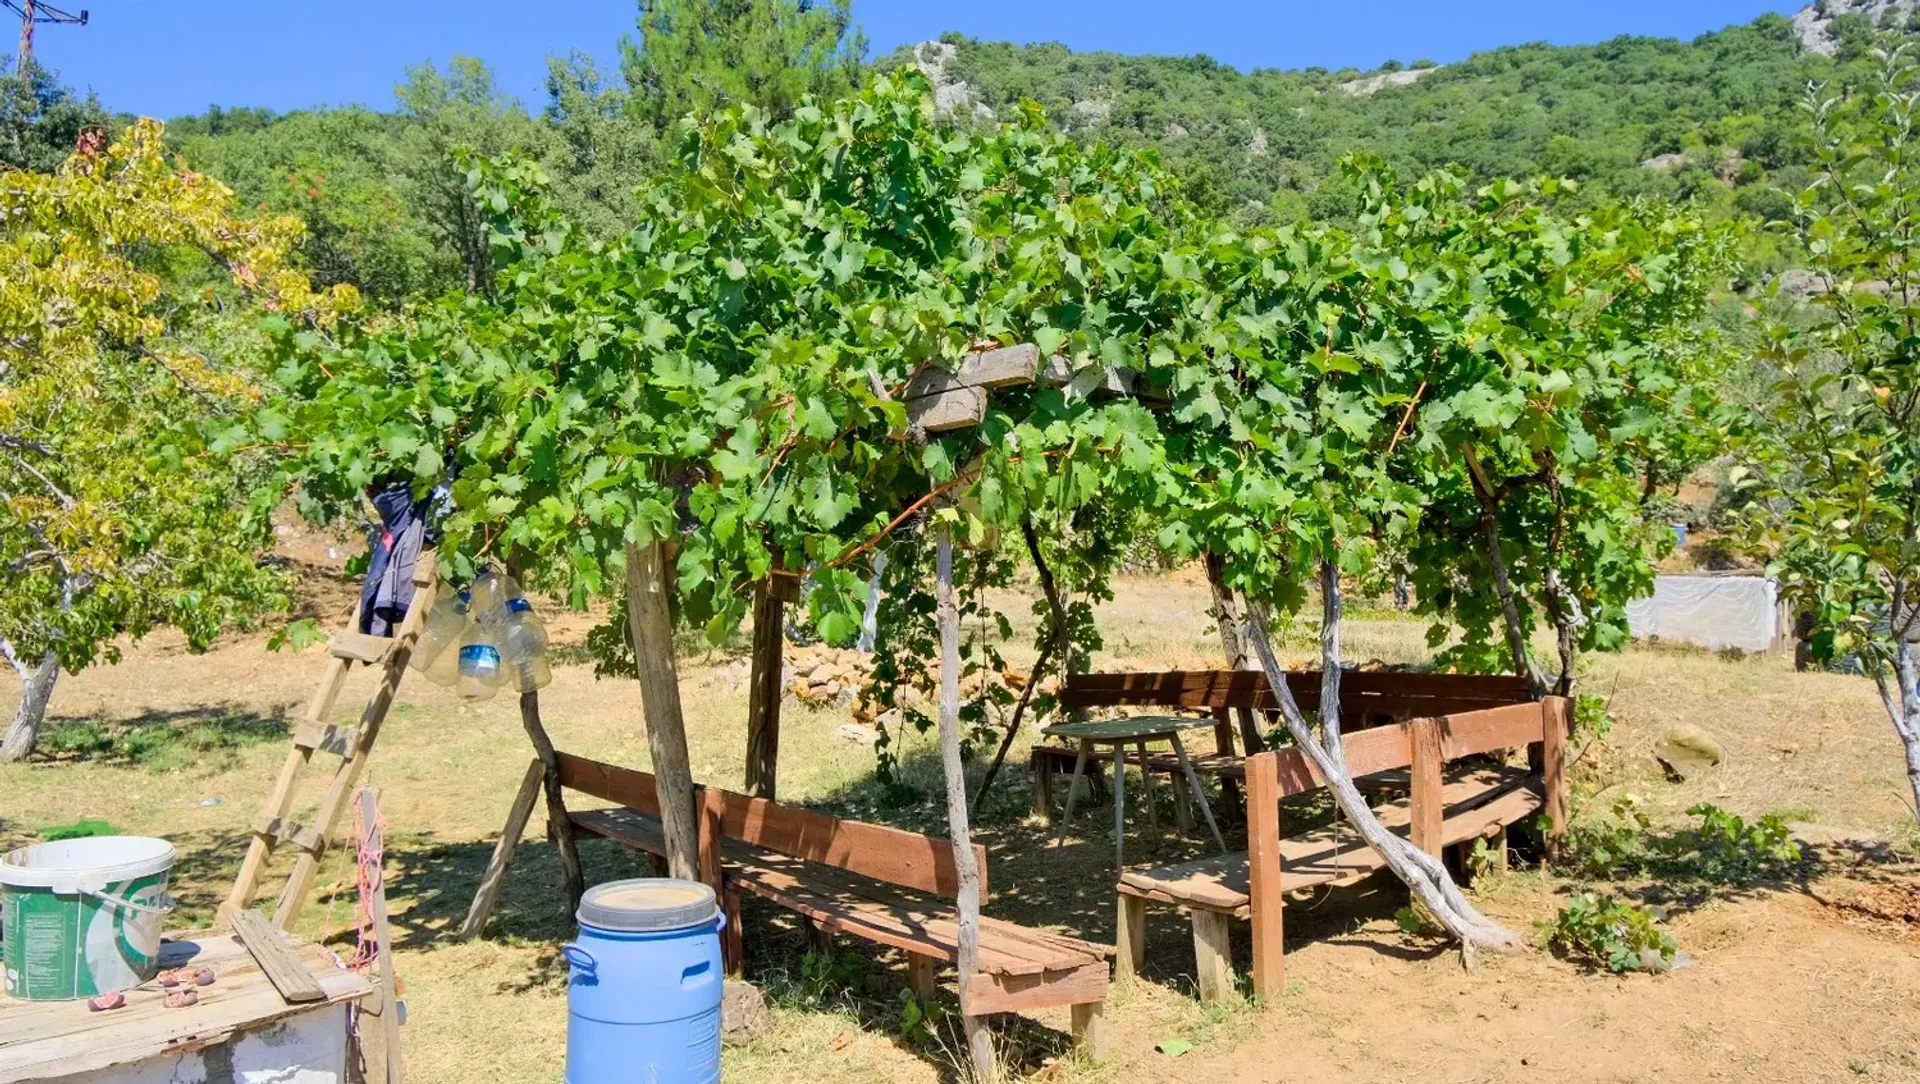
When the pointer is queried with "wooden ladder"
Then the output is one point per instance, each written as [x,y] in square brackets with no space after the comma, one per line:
[353,744]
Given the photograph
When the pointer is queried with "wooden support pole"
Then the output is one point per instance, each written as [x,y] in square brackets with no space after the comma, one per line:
[1130,936]
[650,585]
[763,688]
[1428,806]
[559,828]
[495,878]
[1264,874]
[920,975]
[1090,1028]
[947,610]
[1213,954]
[383,939]
[712,873]
[1556,718]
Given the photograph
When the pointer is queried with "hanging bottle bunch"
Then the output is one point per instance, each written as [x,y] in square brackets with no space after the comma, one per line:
[481,637]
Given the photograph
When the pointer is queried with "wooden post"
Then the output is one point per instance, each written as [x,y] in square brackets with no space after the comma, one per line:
[383,940]
[1230,802]
[488,895]
[713,874]
[1265,874]
[559,828]
[1556,722]
[1213,954]
[1090,1028]
[763,688]
[1428,805]
[1130,936]
[1042,765]
[979,1042]
[650,619]
[920,976]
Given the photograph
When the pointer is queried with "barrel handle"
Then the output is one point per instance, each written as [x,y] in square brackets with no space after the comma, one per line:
[165,905]
[578,958]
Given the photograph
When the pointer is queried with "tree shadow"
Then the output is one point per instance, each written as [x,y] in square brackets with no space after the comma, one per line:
[162,740]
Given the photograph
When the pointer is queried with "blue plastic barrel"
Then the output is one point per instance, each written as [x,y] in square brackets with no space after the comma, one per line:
[643,997]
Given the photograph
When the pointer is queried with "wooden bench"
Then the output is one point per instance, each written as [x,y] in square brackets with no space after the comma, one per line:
[882,884]
[1445,806]
[1367,698]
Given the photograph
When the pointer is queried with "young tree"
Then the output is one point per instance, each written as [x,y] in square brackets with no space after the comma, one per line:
[453,114]
[122,505]
[1838,453]
[40,118]
[695,56]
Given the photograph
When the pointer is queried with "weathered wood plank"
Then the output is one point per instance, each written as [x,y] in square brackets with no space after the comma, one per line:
[1001,367]
[991,992]
[960,408]
[1491,729]
[277,961]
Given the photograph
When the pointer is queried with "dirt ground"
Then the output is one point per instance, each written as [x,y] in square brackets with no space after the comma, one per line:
[1815,978]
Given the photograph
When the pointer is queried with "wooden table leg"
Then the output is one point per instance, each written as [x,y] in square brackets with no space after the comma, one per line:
[1146,787]
[1073,790]
[1193,780]
[1119,806]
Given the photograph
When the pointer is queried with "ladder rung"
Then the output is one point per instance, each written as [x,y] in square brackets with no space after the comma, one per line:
[282,830]
[359,647]
[332,738]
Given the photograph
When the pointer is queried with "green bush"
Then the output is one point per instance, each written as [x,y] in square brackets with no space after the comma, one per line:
[1600,931]
[1722,850]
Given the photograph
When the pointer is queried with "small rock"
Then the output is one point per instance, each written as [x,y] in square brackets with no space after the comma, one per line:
[1687,750]
[743,1013]
[856,734]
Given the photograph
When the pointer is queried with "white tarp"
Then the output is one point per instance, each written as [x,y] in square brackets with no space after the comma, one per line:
[1713,612]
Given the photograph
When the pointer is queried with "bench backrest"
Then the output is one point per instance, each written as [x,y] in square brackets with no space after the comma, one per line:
[1366,697]
[1402,745]
[893,855]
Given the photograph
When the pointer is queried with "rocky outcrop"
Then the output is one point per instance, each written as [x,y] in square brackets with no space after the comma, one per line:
[1665,163]
[1813,24]
[1374,84]
[950,94]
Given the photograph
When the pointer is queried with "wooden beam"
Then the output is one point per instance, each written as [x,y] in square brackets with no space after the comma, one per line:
[650,618]
[988,993]
[1265,873]
[764,691]
[488,895]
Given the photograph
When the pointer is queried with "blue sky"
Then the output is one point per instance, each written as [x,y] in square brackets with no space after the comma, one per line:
[168,57]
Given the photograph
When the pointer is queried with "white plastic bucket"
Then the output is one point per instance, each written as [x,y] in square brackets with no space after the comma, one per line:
[84,916]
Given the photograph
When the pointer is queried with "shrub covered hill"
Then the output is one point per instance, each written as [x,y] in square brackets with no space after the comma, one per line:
[1717,118]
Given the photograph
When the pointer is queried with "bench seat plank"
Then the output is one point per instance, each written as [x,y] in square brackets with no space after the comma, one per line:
[915,922]
[1477,800]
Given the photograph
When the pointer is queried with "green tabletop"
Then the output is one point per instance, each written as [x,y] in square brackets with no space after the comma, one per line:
[1130,728]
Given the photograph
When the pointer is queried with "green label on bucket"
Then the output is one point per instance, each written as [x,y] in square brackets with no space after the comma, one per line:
[73,945]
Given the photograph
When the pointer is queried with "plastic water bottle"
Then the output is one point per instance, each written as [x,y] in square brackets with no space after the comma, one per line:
[479,663]
[523,647]
[437,655]
[490,591]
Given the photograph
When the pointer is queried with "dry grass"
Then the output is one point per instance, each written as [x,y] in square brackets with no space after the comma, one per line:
[1788,988]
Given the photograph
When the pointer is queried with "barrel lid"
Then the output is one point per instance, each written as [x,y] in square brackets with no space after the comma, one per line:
[647,905]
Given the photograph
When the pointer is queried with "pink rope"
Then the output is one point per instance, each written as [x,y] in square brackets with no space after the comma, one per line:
[370,853]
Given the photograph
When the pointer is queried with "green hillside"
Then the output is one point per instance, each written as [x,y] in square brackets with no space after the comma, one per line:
[1260,144]
[1717,120]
